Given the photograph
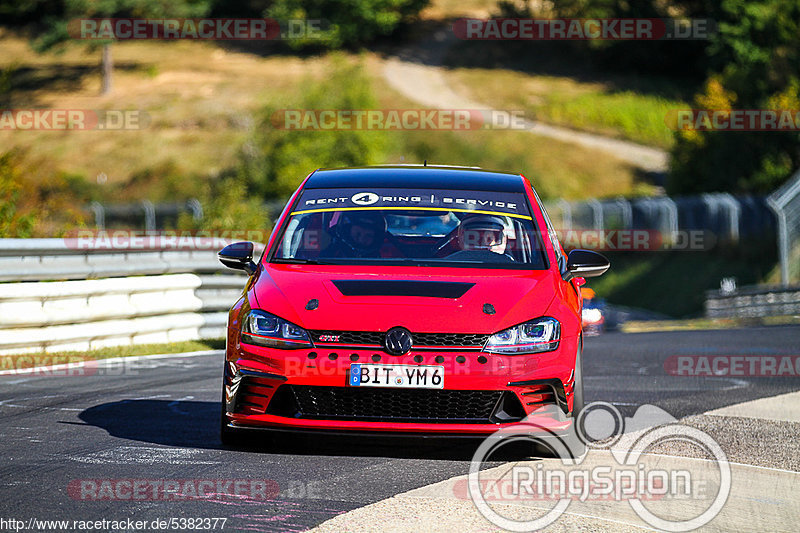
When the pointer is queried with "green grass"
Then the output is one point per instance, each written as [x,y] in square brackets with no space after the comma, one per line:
[596,107]
[674,283]
[555,168]
[696,324]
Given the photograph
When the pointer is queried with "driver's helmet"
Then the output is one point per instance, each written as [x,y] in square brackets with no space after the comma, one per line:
[363,231]
[482,232]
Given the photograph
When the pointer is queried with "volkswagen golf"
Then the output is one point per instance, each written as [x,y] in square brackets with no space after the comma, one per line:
[412,299]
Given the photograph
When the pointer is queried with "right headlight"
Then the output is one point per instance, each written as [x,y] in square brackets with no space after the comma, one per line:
[534,336]
[266,329]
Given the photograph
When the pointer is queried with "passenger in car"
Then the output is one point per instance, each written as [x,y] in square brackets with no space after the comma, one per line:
[361,234]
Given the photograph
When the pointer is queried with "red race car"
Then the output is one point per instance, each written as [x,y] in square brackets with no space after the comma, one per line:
[431,300]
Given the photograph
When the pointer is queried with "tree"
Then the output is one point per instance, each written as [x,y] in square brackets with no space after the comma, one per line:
[277,159]
[64,11]
[755,59]
[13,221]
[349,22]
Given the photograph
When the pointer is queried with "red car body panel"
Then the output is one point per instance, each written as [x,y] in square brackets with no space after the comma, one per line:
[517,296]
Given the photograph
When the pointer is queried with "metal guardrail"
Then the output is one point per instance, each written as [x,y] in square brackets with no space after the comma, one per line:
[140,295]
[65,259]
[147,216]
[752,302]
[785,202]
[729,218]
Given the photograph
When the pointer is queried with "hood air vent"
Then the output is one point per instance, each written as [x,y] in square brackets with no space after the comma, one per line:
[430,289]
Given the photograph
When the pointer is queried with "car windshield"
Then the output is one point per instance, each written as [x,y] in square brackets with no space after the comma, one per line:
[400,226]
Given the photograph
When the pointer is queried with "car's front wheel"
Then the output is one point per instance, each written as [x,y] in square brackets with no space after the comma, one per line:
[228,435]
[577,390]
[576,442]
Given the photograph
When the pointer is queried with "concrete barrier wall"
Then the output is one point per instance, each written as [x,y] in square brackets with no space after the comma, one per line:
[82,315]
[753,302]
[48,301]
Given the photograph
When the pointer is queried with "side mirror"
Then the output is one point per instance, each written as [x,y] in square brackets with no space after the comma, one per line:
[585,264]
[239,256]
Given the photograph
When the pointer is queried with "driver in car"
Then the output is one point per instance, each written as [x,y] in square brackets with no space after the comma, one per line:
[483,232]
[361,234]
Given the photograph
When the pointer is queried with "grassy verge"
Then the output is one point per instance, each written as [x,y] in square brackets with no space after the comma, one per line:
[556,169]
[30,360]
[198,97]
[202,101]
[674,283]
[706,324]
[596,107]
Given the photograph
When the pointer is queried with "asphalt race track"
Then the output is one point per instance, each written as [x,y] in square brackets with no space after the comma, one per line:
[157,419]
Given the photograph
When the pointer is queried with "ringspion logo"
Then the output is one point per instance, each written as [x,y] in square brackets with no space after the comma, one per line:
[622,465]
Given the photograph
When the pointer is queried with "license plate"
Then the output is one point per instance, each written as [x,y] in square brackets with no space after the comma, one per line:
[398,376]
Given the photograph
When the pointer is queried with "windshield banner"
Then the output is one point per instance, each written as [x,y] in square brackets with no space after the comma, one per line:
[497,203]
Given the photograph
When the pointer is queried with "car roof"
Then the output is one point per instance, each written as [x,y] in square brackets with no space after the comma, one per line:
[416,177]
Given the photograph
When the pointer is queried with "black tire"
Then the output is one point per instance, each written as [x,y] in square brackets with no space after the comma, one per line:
[575,441]
[227,435]
[577,399]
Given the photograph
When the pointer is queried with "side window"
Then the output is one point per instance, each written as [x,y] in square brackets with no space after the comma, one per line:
[551,231]
[291,239]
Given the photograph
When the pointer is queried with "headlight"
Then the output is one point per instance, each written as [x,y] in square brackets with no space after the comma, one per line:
[265,329]
[591,315]
[535,336]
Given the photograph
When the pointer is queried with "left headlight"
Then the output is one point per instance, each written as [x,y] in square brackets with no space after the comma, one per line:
[535,336]
[266,329]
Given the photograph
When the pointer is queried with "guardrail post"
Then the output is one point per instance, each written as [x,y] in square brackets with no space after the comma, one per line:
[149,215]
[196,208]
[597,213]
[99,215]
[566,214]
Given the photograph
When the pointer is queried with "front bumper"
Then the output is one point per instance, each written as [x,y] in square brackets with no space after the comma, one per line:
[307,390]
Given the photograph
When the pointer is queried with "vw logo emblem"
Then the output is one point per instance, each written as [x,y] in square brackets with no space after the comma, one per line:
[397,341]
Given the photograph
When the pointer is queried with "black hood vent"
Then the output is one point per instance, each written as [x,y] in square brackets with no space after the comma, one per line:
[430,289]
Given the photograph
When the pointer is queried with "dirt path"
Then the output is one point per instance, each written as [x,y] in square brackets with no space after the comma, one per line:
[418,75]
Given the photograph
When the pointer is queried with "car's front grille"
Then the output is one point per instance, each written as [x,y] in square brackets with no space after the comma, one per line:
[390,405]
[420,340]
[371,338]
[449,339]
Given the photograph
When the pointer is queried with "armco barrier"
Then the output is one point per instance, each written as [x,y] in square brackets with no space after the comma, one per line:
[56,259]
[50,302]
[753,302]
